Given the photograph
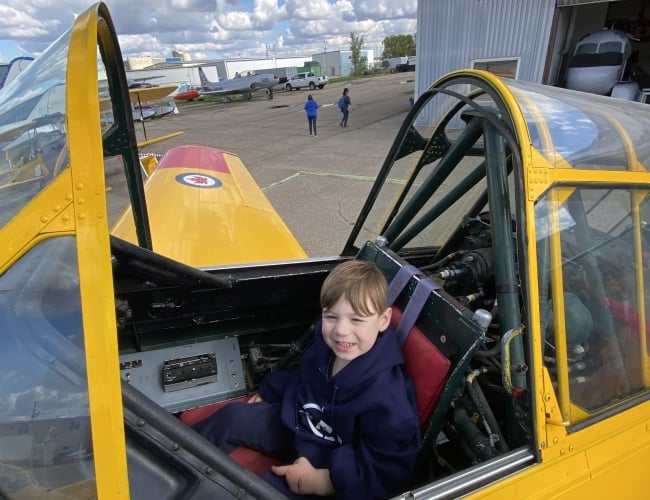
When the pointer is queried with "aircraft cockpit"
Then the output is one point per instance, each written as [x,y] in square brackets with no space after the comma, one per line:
[521,210]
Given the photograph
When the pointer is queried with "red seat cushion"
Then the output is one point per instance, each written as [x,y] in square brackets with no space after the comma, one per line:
[253,460]
[191,417]
[426,366]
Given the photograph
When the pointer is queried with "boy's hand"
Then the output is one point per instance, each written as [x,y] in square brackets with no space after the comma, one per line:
[256,398]
[304,479]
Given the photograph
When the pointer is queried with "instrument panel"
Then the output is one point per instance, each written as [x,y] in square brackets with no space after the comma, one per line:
[182,377]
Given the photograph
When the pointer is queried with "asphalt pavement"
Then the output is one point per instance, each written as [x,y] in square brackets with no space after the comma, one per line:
[317,184]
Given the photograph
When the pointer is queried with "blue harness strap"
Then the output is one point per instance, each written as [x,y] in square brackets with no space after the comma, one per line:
[399,281]
[414,307]
[417,301]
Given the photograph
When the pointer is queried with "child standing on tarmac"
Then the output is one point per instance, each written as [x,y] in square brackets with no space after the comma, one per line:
[346,421]
[311,108]
[345,106]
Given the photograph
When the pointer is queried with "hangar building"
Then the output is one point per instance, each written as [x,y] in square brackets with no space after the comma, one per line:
[528,40]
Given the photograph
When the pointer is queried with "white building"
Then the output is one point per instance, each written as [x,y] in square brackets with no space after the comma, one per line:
[164,72]
[339,62]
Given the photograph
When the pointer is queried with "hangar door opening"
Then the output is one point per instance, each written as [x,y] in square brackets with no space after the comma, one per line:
[576,19]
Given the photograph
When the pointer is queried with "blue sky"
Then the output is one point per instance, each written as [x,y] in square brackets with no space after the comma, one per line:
[208,29]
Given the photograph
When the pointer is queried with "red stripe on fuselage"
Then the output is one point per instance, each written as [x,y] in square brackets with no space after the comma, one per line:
[195,157]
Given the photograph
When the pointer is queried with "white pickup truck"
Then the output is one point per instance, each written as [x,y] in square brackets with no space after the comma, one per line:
[310,80]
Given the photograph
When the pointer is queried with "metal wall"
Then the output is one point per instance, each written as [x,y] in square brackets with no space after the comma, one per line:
[339,62]
[453,33]
[330,62]
[244,66]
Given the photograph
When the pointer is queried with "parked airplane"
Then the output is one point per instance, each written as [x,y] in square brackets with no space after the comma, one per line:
[600,65]
[146,110]
[244,85]
[186,92]
[142,97]
[143,101]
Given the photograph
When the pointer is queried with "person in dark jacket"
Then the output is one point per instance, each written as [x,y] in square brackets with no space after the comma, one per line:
[347,419]
[345,107]
[311,108]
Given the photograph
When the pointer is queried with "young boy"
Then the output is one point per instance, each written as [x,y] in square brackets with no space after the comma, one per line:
[347,418]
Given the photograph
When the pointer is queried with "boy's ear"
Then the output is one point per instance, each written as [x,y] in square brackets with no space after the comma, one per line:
[384,319]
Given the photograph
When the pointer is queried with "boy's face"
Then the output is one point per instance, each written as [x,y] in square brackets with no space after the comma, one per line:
[349,334]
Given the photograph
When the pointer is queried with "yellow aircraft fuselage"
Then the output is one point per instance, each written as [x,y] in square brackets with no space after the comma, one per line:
[527,204]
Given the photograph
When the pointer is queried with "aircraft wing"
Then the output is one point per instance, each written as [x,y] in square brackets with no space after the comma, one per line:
[141,94]
[211,185]
[226,88]
[151,93]
[222,91]
[145,78]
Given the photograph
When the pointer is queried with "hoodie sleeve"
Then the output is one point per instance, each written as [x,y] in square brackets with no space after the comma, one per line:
[380,463]
[274,384]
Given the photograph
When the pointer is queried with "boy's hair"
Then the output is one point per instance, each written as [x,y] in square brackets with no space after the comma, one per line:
[361,283]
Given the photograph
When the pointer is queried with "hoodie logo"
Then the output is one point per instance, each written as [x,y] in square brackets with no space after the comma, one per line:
[312,416]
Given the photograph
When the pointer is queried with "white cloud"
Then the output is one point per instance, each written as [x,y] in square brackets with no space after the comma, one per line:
[373,10]
[239,21]
[214,28]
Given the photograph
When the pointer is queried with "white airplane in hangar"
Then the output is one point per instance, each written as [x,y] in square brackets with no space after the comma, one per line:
[600,65]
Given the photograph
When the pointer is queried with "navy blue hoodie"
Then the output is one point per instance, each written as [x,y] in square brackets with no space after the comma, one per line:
[362,424]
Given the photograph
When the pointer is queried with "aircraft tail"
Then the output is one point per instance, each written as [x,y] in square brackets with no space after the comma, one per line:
[203,78]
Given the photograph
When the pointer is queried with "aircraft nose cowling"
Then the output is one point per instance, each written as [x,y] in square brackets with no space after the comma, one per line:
[283,79]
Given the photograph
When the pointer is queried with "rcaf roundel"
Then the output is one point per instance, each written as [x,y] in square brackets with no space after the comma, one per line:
[199,180]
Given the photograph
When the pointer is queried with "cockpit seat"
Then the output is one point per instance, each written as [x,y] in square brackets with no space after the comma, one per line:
[438,338]
[426,366]
[253,460]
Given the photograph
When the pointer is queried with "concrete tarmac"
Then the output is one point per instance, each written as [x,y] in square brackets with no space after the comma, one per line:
[317,184]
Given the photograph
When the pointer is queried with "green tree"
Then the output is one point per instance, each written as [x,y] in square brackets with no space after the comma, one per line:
[398,46]
[359,62]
